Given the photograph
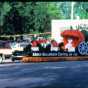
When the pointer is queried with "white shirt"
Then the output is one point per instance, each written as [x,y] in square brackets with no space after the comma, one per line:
[70,47]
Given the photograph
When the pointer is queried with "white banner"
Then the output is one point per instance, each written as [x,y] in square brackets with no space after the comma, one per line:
[58,26]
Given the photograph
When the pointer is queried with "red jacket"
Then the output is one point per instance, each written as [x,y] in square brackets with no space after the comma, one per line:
[55,44]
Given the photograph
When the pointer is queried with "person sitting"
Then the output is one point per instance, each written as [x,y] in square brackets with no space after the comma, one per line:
[69,45]
[48,46]
[61,47]
[54,45]
[40,48]
[28,50]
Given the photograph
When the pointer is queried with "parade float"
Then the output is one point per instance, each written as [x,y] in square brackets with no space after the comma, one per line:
[65,44]
[71,39]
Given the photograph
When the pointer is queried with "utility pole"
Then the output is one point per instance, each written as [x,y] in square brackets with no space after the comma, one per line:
[72,10]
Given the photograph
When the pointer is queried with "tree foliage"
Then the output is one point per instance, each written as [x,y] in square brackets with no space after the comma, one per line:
[33,17]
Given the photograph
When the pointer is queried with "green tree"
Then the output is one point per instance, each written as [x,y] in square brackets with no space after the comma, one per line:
[13,22]
[35,16]
[81,9]
[4,9]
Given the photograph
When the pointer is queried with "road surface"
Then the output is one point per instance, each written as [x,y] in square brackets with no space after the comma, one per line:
[68,74]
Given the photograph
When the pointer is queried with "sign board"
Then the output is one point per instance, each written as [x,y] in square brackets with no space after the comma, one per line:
[57,26]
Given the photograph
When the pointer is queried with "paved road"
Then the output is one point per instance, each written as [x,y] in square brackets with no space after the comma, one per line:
[67,74]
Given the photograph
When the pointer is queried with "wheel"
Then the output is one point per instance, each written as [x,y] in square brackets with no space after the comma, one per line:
[87,49]
[83,48]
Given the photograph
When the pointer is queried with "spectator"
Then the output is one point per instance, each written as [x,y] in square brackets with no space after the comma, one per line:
[61,47]
[34,43]
[28,50]
[54,43]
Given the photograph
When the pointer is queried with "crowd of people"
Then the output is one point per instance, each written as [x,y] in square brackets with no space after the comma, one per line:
[42,44]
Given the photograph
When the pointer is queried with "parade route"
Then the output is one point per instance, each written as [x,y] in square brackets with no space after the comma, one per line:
[68,74]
